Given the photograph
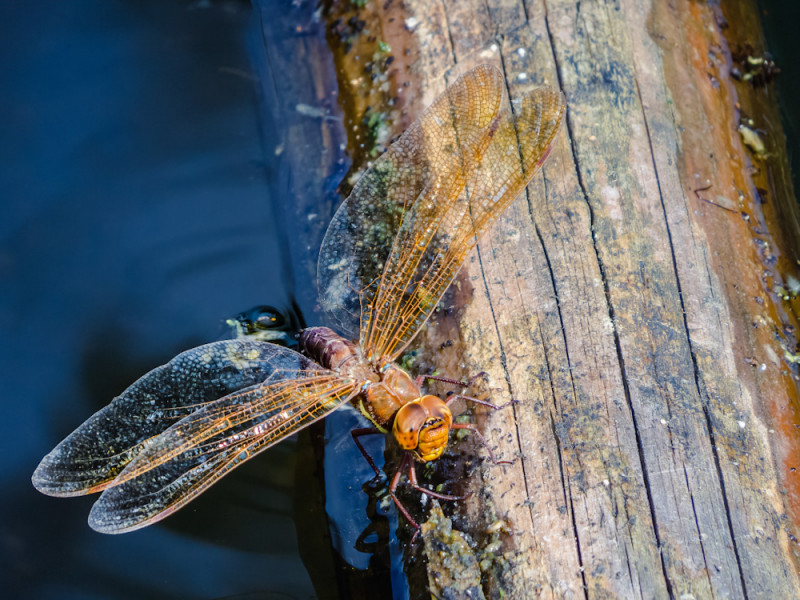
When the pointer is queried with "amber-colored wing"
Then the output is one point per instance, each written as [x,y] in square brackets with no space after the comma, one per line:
[440,229]
[482,157]
[432,155]
[152,452]
[193,454]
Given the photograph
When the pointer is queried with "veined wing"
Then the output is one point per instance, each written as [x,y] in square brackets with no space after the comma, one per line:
[92,457]
[444,224]
[195,452]
[430,160]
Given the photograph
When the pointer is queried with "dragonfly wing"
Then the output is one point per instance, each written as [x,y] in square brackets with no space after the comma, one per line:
[91,457]
[444,224]
[435,152]
[195,452]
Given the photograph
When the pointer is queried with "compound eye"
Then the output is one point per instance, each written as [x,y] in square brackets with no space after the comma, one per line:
[408,422]
[435,408]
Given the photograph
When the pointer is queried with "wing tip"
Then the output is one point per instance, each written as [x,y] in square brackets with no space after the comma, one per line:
[111,527]
[45,480]
[42,482]
[56,477]
[105,518]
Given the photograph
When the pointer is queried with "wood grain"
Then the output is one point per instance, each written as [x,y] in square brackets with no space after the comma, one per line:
[645,464]
[627,303]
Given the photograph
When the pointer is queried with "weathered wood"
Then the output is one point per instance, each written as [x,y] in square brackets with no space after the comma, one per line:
[630,302]
[621,309]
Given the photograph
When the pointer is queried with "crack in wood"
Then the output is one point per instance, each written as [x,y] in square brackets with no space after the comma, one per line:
[696,369]
[611,315]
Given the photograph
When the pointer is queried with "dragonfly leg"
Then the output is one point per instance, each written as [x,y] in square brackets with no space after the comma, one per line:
[482,439]
[361,431]
[393,487]
[357,433]
[412,480]
[423,378]
[451,397]
[479,401]
[408,463]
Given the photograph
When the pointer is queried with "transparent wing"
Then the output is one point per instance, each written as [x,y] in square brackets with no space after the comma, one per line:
[434,153]
[396,244]
[92,457]
[195,452]
[441,227]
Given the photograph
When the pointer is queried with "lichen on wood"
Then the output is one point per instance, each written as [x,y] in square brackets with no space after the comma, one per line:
[453,569]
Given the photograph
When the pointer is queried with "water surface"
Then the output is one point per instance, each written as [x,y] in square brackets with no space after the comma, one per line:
[135,218]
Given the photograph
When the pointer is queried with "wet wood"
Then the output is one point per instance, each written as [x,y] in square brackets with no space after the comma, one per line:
[298,103]
[631,303]
[302,127]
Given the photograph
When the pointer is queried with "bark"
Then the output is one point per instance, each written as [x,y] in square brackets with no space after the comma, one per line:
[637,302]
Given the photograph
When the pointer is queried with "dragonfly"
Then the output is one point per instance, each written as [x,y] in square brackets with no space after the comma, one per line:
[390,252]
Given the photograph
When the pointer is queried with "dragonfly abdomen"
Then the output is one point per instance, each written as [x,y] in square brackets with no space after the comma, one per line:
[327,347]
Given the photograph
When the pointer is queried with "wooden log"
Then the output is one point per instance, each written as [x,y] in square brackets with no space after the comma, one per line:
[631,302]
[297,84]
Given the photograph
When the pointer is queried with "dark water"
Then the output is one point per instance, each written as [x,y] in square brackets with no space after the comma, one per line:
[135,217]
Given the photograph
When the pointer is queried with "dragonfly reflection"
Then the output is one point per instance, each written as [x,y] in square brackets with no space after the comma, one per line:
[267,324]
[390,252]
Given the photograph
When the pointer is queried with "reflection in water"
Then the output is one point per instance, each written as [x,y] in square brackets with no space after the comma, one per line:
[266,324]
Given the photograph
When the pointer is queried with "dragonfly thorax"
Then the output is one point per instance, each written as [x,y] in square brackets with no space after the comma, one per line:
[385,387]
[382,399]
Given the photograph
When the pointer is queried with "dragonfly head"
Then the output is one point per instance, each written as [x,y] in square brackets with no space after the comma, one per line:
[422,426]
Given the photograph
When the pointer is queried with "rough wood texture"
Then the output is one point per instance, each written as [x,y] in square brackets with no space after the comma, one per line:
[626,302]
[623,311]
